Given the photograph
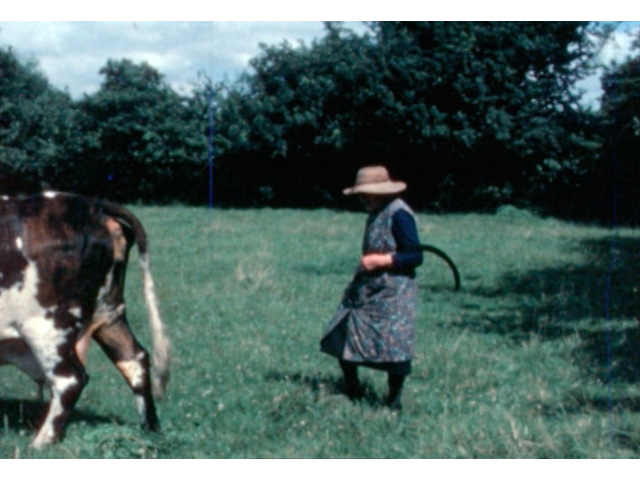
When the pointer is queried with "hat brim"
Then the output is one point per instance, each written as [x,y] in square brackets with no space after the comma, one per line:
[382,188]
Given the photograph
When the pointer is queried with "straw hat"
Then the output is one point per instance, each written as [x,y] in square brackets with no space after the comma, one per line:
[375,180]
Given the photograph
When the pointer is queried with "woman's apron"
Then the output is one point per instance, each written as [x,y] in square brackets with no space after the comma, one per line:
[375,320]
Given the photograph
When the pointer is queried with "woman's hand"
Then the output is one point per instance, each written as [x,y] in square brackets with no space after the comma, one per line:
[372,262]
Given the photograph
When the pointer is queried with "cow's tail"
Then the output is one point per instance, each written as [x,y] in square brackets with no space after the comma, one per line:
[161,346]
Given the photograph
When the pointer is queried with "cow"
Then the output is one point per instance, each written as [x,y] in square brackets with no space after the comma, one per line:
[63,259]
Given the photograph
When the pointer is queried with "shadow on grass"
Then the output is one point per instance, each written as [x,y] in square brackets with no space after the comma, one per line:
[572,293]
[598,301]
[327,386]
[28,414]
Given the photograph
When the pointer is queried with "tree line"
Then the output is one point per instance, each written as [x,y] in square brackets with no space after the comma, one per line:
[473,115]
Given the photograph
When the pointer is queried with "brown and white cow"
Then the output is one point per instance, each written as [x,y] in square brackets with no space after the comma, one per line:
[63,259]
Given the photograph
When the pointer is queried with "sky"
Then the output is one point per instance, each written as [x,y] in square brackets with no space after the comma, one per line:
[71,53]
[616,50]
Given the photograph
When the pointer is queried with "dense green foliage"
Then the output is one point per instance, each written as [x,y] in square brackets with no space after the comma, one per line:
[473,114]
[149,143]
[38,126]
[619,168]
[516,365]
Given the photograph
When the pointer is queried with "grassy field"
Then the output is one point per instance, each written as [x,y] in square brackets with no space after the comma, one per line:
[521,363]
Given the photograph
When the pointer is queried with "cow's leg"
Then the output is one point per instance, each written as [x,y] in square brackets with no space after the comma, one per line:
[132,360]
[53,347]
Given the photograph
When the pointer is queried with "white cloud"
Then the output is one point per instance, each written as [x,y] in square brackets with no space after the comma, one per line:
[71,53]
[618,47]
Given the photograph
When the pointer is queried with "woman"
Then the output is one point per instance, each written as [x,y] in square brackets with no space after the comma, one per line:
[374,325]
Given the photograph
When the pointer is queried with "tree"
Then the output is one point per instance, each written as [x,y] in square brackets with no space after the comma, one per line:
[474,113]
[618,170]
[277,130]
[489,104]
[38,126]
[149,142]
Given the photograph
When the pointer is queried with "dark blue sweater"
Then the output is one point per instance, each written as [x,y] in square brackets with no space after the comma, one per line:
[408,255]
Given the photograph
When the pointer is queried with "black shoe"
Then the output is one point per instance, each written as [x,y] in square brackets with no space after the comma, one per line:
[394,405]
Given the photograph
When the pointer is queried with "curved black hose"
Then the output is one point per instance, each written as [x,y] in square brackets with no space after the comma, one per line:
[438,252]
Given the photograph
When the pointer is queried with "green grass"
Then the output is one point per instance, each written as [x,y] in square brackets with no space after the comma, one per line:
[513,366]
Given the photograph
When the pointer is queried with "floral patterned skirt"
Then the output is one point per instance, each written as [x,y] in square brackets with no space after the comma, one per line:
[375,321]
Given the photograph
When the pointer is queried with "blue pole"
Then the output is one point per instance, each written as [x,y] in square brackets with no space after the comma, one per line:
[210,148]
[610,273]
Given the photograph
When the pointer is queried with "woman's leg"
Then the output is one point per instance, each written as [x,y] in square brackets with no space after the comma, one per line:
[350,371]
[395,391]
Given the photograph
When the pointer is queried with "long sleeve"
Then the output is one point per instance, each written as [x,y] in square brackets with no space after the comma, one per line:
[408,255]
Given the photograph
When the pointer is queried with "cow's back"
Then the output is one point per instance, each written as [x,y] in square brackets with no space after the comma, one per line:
[64,235]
